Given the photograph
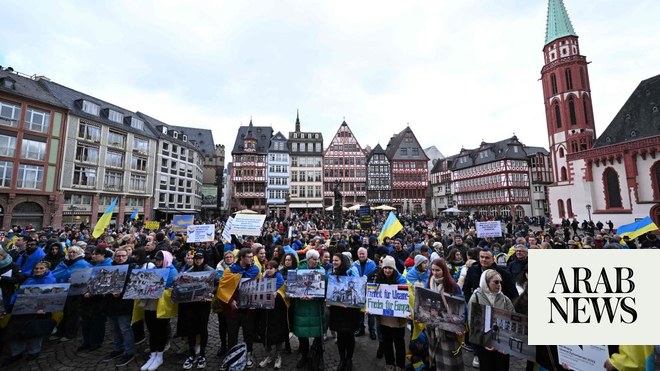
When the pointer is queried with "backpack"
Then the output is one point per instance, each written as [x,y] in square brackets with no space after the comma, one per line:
[236,359]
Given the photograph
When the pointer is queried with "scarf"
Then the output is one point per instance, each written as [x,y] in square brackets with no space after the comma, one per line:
[6,261]
[436,285]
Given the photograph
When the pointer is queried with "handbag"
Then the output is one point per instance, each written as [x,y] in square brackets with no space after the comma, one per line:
[37,327]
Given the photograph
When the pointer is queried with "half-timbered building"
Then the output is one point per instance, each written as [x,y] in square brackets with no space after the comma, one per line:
[345,161]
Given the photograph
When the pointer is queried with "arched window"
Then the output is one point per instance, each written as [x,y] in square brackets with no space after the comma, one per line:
[585,107]
[557,116]
[655,180]
[553,83]
[612,188]
[571,110]
[574,146]
[561,152]
[569,208]
[564,174]
[569,79]
[560,205]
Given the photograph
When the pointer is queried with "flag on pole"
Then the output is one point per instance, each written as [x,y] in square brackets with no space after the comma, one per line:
[391,227]
[636,229]
[135,214]
[104,220]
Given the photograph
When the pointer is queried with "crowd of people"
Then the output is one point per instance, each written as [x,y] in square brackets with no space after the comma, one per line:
[445,256]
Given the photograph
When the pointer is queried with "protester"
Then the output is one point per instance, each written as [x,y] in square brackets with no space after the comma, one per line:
[274,322]
[344,320]
[393,329]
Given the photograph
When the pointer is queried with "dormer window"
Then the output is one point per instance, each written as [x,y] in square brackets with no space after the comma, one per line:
[8,82]
[175,135]
[185,137]
[515,149]
[483,154]
[136,123]
[91,108]
[115,116]
[164,130]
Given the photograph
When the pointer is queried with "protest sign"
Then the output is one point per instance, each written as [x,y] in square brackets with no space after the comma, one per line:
[489,229]
[305,283]
[247,224]
[388,300]
[182,221]
[257,293]
[152,224]
[146,283]
[226,232]
[440,310]
[500,329]
[107,280]
[79,281]
[346,291]
[194,286]
[34,298]
[582,357]
[200,233]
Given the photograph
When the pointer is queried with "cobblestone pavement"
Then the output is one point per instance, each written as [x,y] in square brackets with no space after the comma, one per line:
[62,356]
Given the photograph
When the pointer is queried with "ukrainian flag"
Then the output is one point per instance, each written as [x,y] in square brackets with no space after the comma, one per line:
[391,227]
[135,214]
[637,229]
[104,221]
[183,221]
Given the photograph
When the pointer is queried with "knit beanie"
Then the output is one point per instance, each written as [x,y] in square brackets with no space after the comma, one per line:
[419,259]
[388,261]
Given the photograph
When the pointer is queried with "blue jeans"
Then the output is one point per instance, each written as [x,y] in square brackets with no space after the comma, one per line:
[123,333]
[31,346]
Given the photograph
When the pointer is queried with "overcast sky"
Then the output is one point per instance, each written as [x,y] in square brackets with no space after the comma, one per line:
[457,71]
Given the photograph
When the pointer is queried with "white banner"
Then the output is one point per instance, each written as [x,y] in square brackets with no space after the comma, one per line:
[226,232]
[489,229]
[200,232]
[388,300]
[582,357]
[248,224]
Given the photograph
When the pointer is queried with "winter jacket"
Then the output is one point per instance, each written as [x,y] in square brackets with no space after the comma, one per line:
[368,269]
[474,275]
[63,270]
[309,315]
[27,262]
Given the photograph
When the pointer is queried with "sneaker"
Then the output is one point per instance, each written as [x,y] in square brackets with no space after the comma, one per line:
[250,361]
[112,355]
[475,362]
[468,348]
[265,362]
[64,339]
[201,362]
[146,365]
[278,363]
[372,336]
[54,338]
[188,364]
[124,360]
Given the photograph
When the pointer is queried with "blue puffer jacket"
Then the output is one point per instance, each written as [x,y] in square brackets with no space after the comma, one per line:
[27,263]
[63,270]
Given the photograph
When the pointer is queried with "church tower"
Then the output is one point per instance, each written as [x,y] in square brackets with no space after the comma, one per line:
[566,93]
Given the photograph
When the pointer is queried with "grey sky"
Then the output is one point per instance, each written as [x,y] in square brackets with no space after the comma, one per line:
[457,71]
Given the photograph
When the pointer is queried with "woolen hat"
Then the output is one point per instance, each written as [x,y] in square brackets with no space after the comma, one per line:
[388,261]
[419,259]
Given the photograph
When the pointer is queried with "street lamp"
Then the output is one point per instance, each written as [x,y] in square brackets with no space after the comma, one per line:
[589,211]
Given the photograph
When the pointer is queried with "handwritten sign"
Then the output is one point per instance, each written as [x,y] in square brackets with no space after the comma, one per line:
[247,224]
[388,300]
[152,224]
[489,229]
[200,232]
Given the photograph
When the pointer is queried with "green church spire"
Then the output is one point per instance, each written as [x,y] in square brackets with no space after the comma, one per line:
[559,24]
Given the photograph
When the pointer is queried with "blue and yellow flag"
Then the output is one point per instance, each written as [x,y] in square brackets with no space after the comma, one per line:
[135,214]
[636,229]
[104,221]
[391,227]
[183,221]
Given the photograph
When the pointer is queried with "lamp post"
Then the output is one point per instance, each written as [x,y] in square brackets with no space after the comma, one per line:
[589,211]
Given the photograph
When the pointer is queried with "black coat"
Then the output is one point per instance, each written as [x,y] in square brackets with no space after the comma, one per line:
[344,319]
[474,275]
[8,284]
[273,324]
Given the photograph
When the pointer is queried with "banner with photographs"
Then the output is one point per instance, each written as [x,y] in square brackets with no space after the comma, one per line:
[440,310]
[79,281]
[194,286]
[107,280]
[388,300]
[146,283]
[505,331]
[305,283]
[346,291]
[257,293]
[35,298]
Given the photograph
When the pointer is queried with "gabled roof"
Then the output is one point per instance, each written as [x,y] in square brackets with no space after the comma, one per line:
[337,139]
[638,118]
[71,98]
[531,151]
[497,151]
[281,138]
[558,24]
[28,88]
[440,166]
[202,138]
[153,125]
[392,149]
[377,150]
[261,134]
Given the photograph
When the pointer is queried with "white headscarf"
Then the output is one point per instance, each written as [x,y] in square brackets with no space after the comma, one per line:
[486,276]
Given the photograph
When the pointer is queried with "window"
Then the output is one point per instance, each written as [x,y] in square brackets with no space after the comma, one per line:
[114,159]
[561,153]
[115,116]
[91,108]
[404,151]
[139,163]
[33,150]
[113,180]
[84,176]
[415,151]
[569,79]
[74,199]
[89,132]
[30,176]
[87,154]
[6,168]
[116,139]
[37,120]
[9,113]
[553,83]
[138,183]
[140,145]
[571,110]
[569,208]
[557,116]
[136,123]
[612,188]
[585,108]
[564,174]
[7,145]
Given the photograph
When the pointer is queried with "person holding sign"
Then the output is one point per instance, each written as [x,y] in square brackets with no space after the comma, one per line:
[444,346]
[490,293]
[393,329]
[344,320]
[274,322]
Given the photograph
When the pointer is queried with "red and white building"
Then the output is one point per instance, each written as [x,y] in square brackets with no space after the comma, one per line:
[248,173]
[410,175]
[344,160]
